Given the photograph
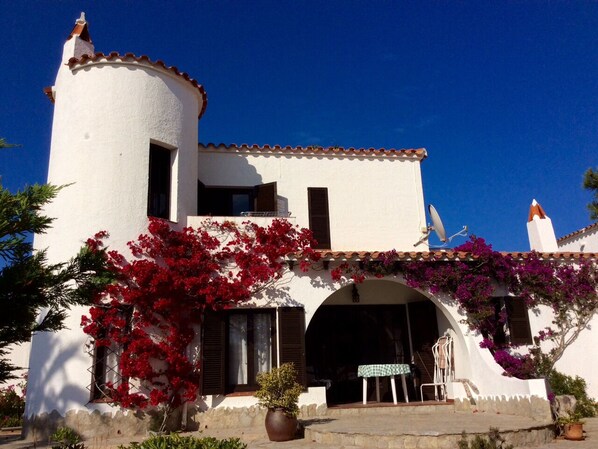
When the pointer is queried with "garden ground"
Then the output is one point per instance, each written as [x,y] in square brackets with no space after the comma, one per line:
[255,437]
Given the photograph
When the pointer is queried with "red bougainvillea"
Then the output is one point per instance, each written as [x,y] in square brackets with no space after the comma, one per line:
[154,310]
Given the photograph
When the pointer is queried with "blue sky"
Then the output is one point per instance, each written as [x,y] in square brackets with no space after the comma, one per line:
[503,95]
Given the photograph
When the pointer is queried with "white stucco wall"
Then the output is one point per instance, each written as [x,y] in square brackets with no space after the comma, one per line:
[586,241]
[471,362]
[106,114]
[375,202]
[578,358]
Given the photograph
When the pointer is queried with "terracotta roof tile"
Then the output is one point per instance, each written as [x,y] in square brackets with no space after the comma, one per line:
[536,210]
[446,255]
[419,153]
[81,29]
[578,232]
[143,59]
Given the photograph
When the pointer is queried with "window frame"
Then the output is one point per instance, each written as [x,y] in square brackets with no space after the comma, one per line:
[251,370]
[159,181]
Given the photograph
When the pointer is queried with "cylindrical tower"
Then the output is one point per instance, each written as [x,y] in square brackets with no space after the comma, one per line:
[124,145]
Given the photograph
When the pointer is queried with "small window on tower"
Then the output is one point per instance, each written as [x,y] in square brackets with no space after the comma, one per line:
[158,201]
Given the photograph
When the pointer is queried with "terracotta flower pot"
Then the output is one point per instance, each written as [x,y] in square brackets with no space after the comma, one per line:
[279,426]
[574,431]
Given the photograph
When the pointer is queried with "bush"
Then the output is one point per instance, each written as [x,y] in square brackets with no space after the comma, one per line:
[12,407]
[66,438]
[279,389]
[176,441]
[576,386]
[493,441]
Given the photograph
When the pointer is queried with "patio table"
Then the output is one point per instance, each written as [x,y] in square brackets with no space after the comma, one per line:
[384,370]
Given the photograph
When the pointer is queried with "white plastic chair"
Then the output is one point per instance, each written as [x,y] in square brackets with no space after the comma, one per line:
[443,367]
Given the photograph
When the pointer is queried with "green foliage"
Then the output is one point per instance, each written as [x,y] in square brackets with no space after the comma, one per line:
[562,384]
[590,182]
[28,283]
[12,407]
[493,441]
[279,389]
[5,144]
[176,441]
[66,438]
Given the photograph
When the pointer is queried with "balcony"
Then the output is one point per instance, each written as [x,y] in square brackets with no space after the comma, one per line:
[259,218]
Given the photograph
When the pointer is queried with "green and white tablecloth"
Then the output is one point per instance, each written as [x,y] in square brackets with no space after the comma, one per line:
[382,370]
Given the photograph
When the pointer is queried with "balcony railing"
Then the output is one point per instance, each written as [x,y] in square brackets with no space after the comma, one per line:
[266,214]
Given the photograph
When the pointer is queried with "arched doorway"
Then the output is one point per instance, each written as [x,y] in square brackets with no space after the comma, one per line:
[385,322]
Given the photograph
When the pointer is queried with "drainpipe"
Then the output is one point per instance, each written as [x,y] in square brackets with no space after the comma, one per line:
[277,336]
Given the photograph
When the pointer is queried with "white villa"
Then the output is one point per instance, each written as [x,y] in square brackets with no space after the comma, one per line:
[125,140]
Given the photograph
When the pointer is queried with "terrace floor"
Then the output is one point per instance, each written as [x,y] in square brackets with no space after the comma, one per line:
[434,426]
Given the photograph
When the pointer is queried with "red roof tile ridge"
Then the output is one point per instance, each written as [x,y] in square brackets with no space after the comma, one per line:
[536,210]
[315,149]
[578,232]
[113,56]
[440,255]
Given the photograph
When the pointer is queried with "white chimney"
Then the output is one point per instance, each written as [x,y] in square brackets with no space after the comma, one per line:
[540,231]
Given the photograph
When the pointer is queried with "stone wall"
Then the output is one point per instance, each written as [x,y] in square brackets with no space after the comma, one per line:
[87,424]
[533,407]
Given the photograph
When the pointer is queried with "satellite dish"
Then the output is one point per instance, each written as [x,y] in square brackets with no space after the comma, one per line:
[437,225]
[438,228]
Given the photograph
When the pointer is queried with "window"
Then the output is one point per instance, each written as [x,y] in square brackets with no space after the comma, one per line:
[251,347]
[238,344]
[319,220]
[105,370]
[517,328]
[158,198]
[233,201]
[105,367]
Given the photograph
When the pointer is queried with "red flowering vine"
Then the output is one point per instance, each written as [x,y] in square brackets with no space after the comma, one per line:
[155,309]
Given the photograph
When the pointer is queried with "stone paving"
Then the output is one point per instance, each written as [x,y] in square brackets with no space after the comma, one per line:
[255,437]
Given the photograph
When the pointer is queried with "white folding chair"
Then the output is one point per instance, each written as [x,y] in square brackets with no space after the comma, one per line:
[443,367]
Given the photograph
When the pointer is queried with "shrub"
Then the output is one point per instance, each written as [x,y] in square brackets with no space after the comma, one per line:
[12,407]
[176,441]
[561,384]
[66,438]
[279,389]
[493,441]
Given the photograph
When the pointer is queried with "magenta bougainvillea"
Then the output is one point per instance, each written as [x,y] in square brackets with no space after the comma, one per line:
[154,310]
[570,290]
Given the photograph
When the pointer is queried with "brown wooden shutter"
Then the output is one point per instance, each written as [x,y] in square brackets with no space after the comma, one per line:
[518,319]
[292,339]
[266,198]
[319,219]
[214,353]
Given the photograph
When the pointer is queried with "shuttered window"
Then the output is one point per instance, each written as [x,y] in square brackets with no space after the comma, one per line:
[319,220]
[266,198]
[518,320]
[214,353]
[234,201]
[292,339]
[237,344]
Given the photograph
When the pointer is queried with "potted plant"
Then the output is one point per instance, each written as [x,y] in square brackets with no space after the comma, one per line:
[279,393]
[571,425]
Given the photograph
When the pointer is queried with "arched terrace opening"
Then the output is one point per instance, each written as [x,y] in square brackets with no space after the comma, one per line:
[382,322]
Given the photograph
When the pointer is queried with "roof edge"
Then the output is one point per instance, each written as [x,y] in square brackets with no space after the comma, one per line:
[578,232]
[448,255]
[144,60]
[417,153]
